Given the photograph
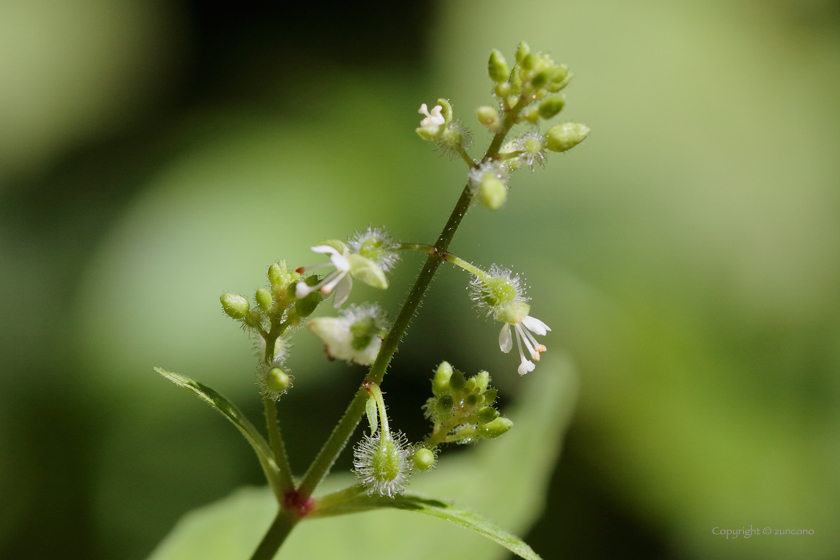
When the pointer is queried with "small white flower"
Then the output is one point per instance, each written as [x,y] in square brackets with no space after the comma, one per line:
[433,119]
[524,328]
[355,335]
[338,280]
[382,463]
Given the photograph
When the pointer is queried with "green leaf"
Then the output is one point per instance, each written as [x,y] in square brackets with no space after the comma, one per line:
[504,479]
[441,509]
[232,413]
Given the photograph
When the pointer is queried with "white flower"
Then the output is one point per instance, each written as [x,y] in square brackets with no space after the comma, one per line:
[434,119]
[355,335]
[338,280]
[382,464]
[523,329]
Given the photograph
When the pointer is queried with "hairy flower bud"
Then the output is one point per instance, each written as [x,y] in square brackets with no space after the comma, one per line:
[235,306]
[564,137]
[551,106]
[497,67]
[495,428]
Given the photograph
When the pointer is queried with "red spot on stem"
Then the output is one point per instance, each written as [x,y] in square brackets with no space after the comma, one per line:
[293,501]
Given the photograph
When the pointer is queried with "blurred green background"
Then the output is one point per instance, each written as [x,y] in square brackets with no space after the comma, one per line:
[156,153]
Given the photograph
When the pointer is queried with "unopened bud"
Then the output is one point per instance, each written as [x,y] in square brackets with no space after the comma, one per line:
[482,381]
[497,67]
[494,428]
[487,414]
[492,192]
[263,297]
[487,116]
[235,306]
[440,383]
[551,106]
[457,381]
[565,136]
[277,380]
[522,51]
[424,459]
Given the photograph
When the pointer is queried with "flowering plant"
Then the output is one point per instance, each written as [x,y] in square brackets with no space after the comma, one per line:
[461,408]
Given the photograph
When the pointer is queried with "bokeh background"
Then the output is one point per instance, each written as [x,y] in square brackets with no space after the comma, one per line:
[156,153]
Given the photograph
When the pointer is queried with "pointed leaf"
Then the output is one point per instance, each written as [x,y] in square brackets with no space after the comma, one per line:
[232,413]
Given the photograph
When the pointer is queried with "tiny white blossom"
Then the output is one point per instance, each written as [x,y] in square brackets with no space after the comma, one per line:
[338,280]
[433,119]
[355,335]
[523,329]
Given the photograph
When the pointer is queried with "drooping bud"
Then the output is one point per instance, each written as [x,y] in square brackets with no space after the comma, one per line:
[235,306]
[494,428]
[564,137]
[497,67]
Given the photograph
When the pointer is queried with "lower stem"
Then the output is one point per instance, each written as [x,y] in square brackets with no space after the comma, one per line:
[278,446]
[276,535]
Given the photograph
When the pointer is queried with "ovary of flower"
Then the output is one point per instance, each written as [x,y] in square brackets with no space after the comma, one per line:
[523,329]
[433,119]
[338,280]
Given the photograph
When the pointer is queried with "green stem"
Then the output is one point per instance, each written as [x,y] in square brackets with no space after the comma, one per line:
[277,533]
[465,265]
[278,446]
[421,247]
[466,157]
[345,427]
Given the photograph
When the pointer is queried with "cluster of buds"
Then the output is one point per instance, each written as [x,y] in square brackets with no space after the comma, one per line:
[462,409]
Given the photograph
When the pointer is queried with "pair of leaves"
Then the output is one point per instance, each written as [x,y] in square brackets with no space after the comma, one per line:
[505,478]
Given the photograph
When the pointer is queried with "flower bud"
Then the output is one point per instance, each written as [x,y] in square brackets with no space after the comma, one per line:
[444,405]
[471,400]
[372,413]
[497,67]
[503,89]
[529,61]
[561,78]
[457,381]
[487,414]
[565,136]
[306,306]
[253,318]
[424,459]
[551,106]
[440,382]
[522,51]
[494,428]
[490,396]
[446,110]
[482,381]
[277,380]
[263,297]
[235,306]
[492,192]
[487,116]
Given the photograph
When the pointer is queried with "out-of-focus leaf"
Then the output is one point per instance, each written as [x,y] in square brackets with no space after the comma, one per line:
[504,479]
[229,411]
[442,509]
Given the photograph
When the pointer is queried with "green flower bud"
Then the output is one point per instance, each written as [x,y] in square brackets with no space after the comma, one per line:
[487,414]
[497,67]
[522,51]
[492,192]
[235,306]
[482,381]
[487,116]
[424,459]
[457,381]
[529,61]
[451,139]
[502,90]
[565,136]
[440,382]
[471,400]
[444,405]
[551,106]
[278,381]
[540,79]
[494,428]
[561,78]
[513,313]
[253,318]
[490,396]
[263,298]
[495,291]
[372,412]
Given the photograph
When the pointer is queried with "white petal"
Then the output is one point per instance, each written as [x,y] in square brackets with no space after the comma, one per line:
[340,262]
[302,290]
[505,340]
[525,367]
[424,110]
[325,249]
[342,290]
[535,325]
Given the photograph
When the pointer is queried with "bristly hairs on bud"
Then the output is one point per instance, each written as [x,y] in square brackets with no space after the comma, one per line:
[383,464]
[274,381]
[492,167]
[498,288]
[281,349]
[455,137]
